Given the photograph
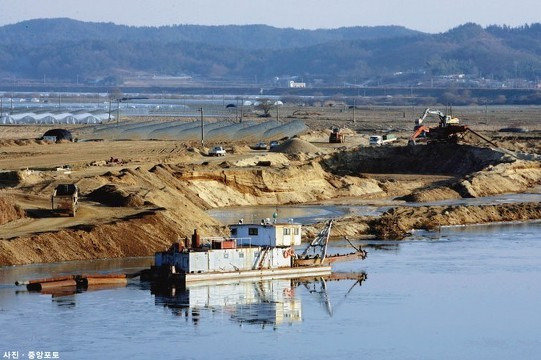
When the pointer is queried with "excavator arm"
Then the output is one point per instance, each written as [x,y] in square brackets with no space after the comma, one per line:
[418,132]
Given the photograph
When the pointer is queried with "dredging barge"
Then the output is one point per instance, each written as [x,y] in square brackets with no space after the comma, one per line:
[253,251]
[264,250]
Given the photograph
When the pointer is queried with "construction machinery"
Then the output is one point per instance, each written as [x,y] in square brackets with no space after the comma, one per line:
[337,136]
[448,130]
[65,199]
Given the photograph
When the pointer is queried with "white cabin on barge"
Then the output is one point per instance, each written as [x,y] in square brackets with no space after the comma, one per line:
[251,247]
[267,234]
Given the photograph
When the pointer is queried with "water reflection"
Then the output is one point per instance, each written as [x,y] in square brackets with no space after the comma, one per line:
[264,303]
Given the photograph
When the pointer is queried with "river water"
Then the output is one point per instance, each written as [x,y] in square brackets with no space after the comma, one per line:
[309,214]
[463,293]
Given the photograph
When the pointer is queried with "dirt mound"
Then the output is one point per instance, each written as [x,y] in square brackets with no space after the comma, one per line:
[296,146]
[9,211]
[434,194]
[274,159]
[20,142]
[139,235]
[256,186]
[240,149]
[441,159]
[112,195]
[398,222]
[502,178]
[29,177]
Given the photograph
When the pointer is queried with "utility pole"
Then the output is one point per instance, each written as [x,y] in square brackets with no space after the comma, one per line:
[202,128]
[354,110]
[241,108]
[237,110]
[278,113]
[118,111]
[109,109]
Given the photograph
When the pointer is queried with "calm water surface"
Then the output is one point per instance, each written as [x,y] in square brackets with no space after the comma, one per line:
[309,214]
[464,293]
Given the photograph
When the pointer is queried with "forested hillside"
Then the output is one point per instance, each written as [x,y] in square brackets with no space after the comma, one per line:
[65,49]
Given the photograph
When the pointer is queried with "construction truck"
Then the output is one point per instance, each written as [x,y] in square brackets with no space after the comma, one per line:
[65,199]
[336,136]
[379,140]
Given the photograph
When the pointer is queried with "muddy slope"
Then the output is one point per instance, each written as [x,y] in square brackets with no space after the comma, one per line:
[259,186]
[396,223]
[140,235]
[440,159]
[515,177]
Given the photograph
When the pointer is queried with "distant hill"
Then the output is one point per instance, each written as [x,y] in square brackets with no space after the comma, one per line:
[38,32]
[65,49]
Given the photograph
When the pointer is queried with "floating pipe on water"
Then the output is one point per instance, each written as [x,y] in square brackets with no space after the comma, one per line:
[78,281]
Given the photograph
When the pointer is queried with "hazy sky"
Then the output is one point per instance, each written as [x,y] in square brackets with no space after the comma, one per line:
[424,15]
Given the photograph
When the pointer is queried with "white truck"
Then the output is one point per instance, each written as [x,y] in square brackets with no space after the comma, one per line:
[379,140]
[217,151]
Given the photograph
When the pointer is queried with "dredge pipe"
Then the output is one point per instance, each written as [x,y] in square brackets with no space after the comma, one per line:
[105,281]
[58,278]
[38,286]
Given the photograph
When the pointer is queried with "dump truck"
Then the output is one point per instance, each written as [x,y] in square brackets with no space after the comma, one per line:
[336,136]
[65,199]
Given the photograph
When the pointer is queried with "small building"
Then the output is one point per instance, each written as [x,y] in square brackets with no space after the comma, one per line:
[267,234]
[293,84]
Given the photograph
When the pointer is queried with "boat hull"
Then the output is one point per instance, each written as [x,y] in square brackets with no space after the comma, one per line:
[258,274]
[329,259]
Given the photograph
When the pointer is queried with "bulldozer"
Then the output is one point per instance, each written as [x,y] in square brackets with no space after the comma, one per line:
[336,136]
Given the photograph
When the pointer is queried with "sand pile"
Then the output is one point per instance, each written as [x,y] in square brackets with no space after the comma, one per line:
[296,146]
[9,211]
[273,159]
[112,195]
[517,176]
[20,142]
[240,149]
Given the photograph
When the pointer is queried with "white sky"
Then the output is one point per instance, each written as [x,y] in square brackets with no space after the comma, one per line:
[424,15]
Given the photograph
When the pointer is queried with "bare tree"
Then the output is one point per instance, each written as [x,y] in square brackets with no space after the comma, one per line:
[265,105]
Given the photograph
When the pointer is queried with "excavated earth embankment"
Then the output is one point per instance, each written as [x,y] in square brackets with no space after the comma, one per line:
[140,235]
[167,202]
[434,159]
[181,194]
[398,223]
[473,171]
